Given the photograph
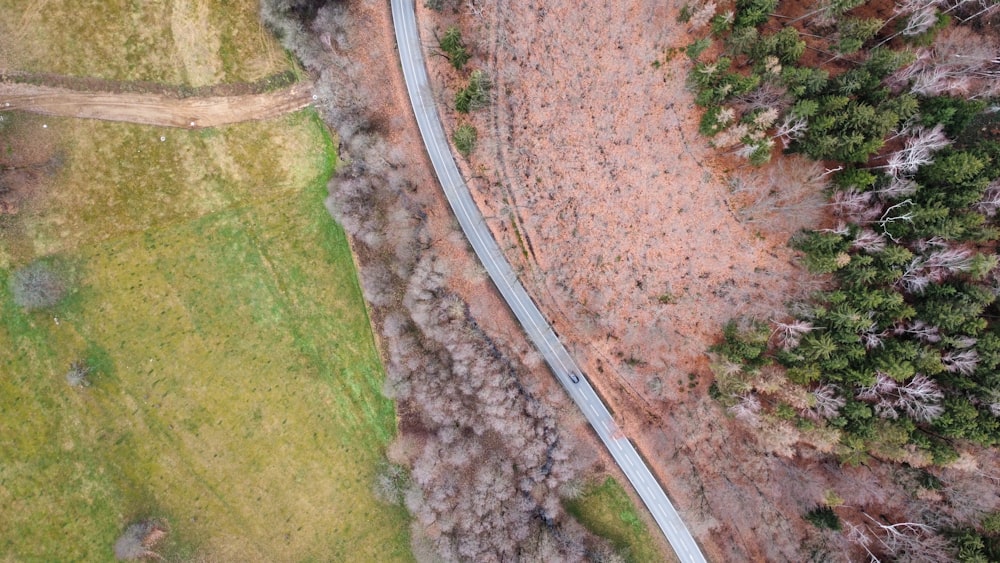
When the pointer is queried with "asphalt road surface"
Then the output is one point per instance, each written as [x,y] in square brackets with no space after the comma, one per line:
[535,325]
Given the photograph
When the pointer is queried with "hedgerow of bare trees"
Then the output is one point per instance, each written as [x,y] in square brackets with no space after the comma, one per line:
[486,458]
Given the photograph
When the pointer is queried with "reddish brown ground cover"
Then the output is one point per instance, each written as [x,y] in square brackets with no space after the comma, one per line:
[620,219]
[626,230]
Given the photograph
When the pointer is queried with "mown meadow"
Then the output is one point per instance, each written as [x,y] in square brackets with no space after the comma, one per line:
[235,383]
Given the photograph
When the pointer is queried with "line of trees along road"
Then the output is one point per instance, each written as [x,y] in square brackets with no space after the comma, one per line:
[487,459]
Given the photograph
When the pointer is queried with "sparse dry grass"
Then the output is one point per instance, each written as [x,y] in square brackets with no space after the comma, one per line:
[182,42]
[235,390]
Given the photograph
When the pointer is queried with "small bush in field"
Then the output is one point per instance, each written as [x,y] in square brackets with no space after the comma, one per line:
[37,286]
[78,374]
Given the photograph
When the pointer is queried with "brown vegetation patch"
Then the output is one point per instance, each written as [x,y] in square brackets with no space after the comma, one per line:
[596,161]
[27,157]
[606,198]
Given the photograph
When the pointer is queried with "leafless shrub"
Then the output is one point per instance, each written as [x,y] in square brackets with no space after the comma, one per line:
[485,420]
[37,286]
[391,481]
[487,459]
[78,373]
[138,539]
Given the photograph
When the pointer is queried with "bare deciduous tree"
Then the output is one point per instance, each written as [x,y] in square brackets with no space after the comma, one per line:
[869,241]
[856,206]
[921,330]
[747,408]
[960,361]
[919,149]
[791,129]
[920,398]
[990,202]
[962,61]
[702,15]
[827,402]
[910,540]
[790,334]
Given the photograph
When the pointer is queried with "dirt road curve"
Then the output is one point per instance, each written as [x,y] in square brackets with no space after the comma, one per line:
[154,109]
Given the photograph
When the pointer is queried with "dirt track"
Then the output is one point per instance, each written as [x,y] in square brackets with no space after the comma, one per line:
[154,109]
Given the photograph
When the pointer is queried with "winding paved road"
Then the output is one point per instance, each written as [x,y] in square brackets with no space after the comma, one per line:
[537,328]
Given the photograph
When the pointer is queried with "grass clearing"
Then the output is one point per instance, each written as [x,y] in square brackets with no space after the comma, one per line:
[236,384]
[605,509]
[180,42]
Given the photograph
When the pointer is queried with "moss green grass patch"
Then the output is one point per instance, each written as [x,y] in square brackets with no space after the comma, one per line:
[606,510]
[235,390]
[181,42]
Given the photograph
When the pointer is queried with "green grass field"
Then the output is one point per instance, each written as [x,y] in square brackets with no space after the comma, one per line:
[605,509]
[236,390]
[189,42]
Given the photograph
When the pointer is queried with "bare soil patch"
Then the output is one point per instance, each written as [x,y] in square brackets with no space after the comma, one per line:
[154,108]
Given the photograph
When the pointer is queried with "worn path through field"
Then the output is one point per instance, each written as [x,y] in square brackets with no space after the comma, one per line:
[154,109]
